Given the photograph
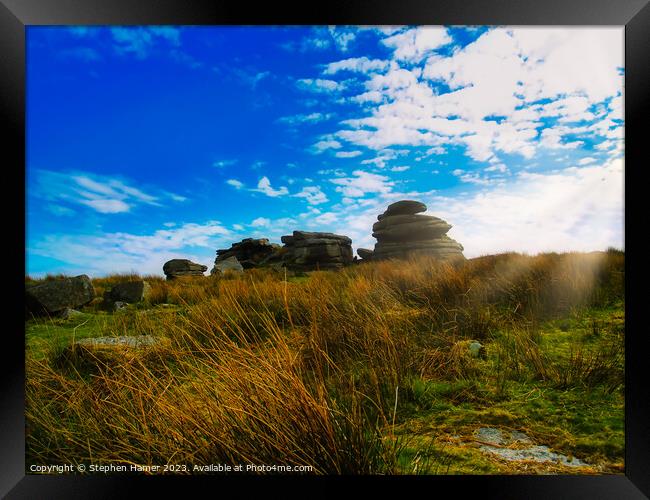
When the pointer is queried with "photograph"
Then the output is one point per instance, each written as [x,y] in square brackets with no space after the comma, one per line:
[325,250]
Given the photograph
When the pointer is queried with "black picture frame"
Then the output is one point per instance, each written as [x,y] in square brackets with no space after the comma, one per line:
[16,15]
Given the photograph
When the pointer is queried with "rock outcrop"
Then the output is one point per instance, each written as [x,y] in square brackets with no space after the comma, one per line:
[402,231]
[178,268]
[229,264]
[306,251]
[249,253]
[55,296]
[128,291]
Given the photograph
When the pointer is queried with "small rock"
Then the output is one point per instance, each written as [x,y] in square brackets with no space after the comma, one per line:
[364,253]
[119,305]
[477,350]
[70,313]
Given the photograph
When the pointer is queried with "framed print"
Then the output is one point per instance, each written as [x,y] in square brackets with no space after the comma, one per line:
[386,243]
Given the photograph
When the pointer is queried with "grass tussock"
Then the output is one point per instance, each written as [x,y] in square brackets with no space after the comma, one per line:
[319,370]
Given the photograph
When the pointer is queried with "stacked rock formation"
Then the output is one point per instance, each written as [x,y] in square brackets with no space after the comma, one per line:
[305,251]
[178,268]
[402,231]
[248,253]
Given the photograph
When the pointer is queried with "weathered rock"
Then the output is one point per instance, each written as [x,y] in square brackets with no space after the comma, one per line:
[304,235]
[229,264]
[177,268]
[413,231]
[401,231]
[249,252]
[308,251]
[405,207]
[131,341]
[130,291]
[394,220]
[364,253]
[477,350]
[118,306]
[57,295]
[70,313]
[517,446]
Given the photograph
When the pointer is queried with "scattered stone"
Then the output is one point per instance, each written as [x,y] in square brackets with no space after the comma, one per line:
[54,296]
[249,253]
[229,264]
[130,291]
[177,268]
[364,253]
[309,251]
[500,443]
[402,231]
[70,313]
[477,350]
[119,305]
[490,435]
[535,454]
[130,341]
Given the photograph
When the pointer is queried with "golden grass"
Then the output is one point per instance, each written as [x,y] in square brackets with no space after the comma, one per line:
[261,370]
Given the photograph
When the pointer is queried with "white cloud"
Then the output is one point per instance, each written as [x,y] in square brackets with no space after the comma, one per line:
[363,183]
[494,87]
[261,222]
[325,144]
[347,154]
[342,37]
[403,168]
[356,64]
[305,118]
[313,195]
[107,206]
[235,183]
[414,44]
[319,85]
[101,193]
[577,209]
[125,252]
[264,186]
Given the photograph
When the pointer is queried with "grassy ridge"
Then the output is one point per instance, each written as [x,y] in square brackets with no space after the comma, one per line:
[366,370]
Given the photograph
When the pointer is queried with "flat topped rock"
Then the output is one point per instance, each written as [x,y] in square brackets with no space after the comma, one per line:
[305,235]
[180,265]
[405,207]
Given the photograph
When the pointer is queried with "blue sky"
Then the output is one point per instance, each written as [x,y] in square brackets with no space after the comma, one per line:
[158,142]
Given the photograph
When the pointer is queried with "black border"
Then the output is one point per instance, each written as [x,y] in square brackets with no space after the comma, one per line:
[633,14]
